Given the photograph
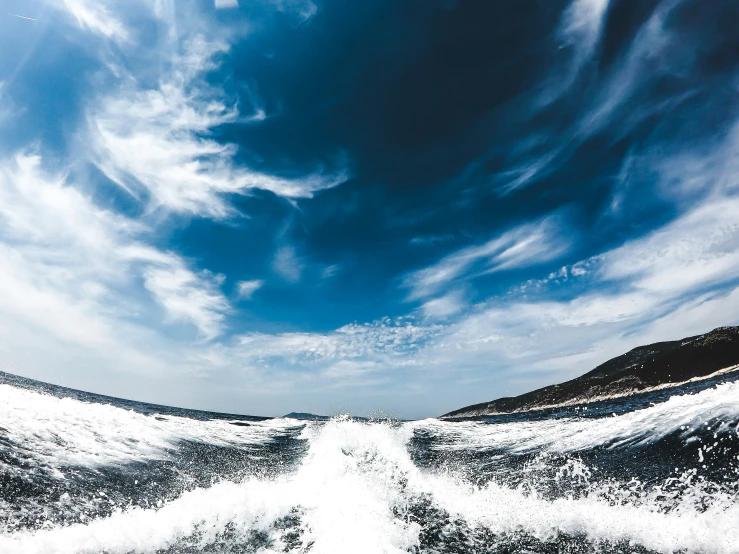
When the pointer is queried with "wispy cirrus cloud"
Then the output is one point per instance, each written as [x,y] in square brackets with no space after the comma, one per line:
[188,296]
[95,16]
[580,30]
[525,245]
[527,341]
[90,257]
[287,264]
[226,4]
[609,105]
[90,277]
[697,250]
[445,306]
[380,340]
[246,289]
[157,142]
[304,9]
[680,279]
[152,131]
[113,290]
[582,23]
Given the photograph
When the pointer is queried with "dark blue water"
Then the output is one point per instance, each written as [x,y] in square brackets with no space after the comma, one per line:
[657,472]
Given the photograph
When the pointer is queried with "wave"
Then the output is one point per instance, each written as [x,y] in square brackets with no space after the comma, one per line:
[358,488]
[63,432]
[715,410]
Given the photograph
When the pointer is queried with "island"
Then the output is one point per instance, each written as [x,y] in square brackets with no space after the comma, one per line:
[645,368]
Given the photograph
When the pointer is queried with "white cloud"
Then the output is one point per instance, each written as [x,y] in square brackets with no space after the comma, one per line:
[156,140]
[552,341]
[582,22]
[645,57]
[86,283]
[330,270]
[226,4]
[246,289]
[699,249]
[650,289]
[39,209]
[676,281]
[653,51]
[287,264]
[353,356]
[711,166]
[445,306]
[188,297]
[72,269]
[580,29]
[384,338]
[523,246]
[95,16]
[304,9]
[60,249]
[60,263]
[77,275]
[351,371]
[152,133]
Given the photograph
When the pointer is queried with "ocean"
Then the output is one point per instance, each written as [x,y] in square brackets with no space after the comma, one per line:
[82,473]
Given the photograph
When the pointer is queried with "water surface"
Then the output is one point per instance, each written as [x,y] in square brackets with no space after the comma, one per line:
[82,473]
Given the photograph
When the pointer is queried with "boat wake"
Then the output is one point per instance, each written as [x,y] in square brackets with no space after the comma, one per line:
[81,476]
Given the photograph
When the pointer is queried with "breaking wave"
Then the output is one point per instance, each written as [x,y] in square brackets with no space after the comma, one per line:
[84,476]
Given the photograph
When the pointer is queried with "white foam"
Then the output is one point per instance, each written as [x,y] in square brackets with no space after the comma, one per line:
[683,413]
[505,510]
[352,492]
[345,490]
[59,432]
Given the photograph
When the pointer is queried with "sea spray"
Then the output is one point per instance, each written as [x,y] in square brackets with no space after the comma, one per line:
[133,482]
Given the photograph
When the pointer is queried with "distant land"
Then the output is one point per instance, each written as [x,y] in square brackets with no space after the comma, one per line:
[644,368]
[306,416]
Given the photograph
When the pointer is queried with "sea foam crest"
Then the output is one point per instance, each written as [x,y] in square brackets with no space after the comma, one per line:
[358,490]
[681,413]
[59,432]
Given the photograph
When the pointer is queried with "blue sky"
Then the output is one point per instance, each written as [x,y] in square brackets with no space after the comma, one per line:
[398,207]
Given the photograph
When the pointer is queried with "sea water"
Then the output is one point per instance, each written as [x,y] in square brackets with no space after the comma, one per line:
[80,473]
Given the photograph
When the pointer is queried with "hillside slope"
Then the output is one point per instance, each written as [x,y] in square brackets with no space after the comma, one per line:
[642,368]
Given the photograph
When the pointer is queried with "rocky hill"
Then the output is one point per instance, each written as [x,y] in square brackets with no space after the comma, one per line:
[640,369]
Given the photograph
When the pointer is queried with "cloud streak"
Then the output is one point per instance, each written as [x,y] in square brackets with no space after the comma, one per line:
[156,142]
[246,289]
[287,264]
[522,246]
[85,256]
[95,16]
[187,296]
[226,4]
[386,341]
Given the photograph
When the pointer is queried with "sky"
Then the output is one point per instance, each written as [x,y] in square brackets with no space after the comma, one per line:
[382,208]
